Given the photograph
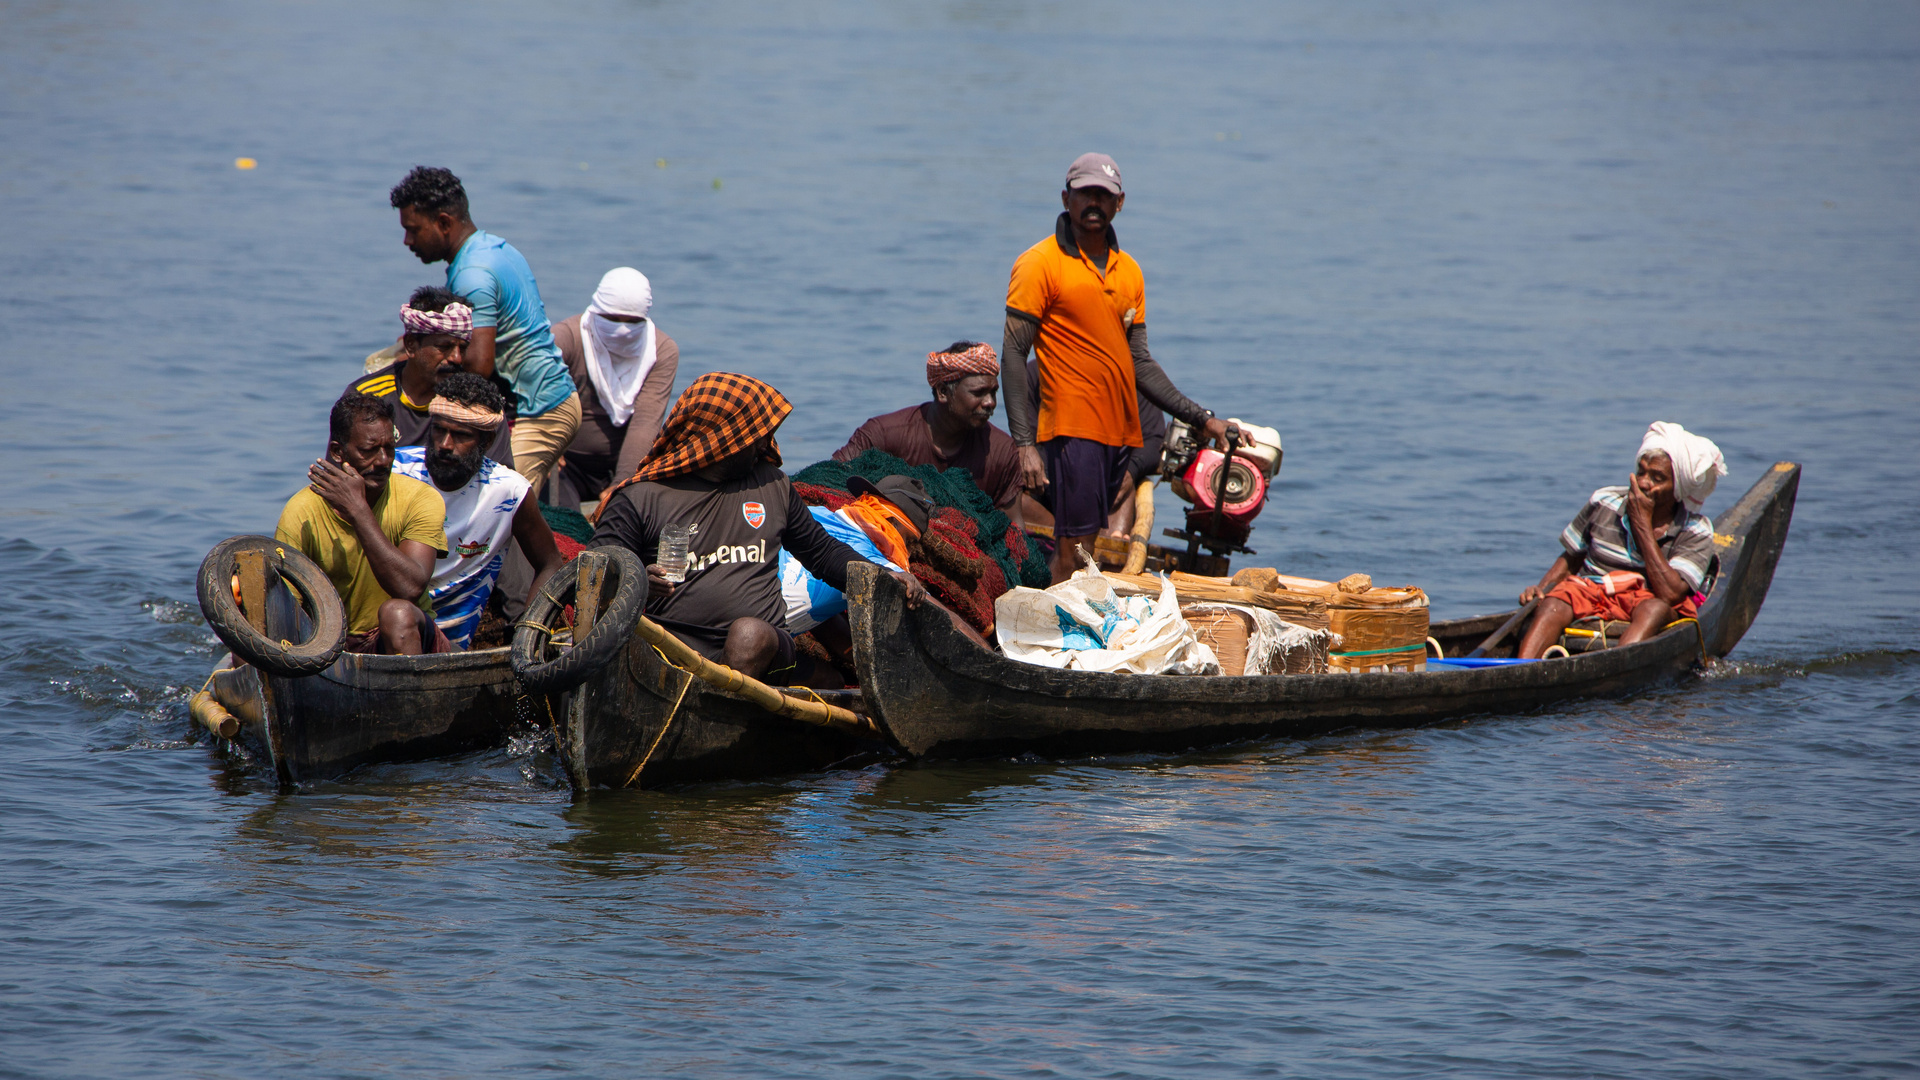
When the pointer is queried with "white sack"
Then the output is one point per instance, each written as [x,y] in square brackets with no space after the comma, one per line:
[1081,624]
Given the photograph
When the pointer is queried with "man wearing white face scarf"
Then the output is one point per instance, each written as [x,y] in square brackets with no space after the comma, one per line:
[624,367]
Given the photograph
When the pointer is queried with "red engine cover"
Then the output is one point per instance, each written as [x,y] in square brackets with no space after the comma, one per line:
[1246,486]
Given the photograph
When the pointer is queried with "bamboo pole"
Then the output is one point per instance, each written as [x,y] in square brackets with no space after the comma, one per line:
[721,677]
[213,716]
[1142,526]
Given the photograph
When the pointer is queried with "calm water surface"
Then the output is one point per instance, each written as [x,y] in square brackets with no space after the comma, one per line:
[1460,256]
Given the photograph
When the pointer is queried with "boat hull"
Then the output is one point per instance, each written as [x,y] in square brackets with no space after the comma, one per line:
[937,694]
[368,708]
[642,722]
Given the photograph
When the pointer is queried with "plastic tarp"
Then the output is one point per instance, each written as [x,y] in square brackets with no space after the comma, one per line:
[811,601]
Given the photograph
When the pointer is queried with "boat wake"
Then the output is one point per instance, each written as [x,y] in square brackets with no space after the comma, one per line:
[1870,662]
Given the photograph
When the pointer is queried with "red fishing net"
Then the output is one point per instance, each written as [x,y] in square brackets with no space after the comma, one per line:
[947,560]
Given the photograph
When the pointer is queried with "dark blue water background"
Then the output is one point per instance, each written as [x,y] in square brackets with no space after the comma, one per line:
[1460,255]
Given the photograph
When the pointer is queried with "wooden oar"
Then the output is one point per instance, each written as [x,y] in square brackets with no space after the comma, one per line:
[1505,629]
[722,677]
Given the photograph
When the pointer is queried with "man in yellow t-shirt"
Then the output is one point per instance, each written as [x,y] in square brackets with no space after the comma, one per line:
[376,534]
[1080,303]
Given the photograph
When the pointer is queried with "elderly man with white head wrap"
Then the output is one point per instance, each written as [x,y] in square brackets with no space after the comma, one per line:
[1637,553]
[624,367]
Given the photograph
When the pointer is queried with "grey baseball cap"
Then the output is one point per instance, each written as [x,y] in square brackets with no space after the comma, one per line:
[1094,170]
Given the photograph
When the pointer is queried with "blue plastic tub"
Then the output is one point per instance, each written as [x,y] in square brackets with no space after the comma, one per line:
[1466,662]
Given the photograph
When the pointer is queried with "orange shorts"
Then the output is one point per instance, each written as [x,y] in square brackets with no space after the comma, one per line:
[1613,600]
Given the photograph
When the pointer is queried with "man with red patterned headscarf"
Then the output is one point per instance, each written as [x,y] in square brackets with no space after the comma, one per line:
[437,327]
[716,467]
[955,428]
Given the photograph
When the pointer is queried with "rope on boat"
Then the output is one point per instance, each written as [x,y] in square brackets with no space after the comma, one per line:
[1698,634]
[721,677]
[674,712]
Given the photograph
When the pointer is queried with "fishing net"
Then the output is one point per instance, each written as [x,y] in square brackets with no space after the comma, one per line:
[960,569]
[1004,543]
[565,522]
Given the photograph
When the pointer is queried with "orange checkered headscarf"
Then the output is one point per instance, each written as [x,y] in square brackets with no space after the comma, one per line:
[718,416]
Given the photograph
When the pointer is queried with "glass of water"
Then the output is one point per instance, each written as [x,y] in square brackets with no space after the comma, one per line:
[675,540]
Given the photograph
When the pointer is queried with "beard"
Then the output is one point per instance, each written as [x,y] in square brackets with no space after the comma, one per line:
[451,471]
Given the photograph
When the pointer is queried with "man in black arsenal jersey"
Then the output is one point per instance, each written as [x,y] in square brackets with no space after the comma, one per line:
[715,467]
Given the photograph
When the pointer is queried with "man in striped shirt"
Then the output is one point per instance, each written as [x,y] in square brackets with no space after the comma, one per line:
[1637,553]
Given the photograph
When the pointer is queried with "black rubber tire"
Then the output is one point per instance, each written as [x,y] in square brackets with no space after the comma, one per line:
[619,614]
[310,583]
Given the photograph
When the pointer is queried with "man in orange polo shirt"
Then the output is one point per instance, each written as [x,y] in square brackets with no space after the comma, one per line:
[1081,304]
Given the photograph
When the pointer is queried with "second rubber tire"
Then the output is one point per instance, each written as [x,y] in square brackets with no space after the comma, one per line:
[619,614]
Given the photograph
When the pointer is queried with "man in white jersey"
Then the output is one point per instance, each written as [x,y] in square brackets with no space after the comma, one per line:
[487,503]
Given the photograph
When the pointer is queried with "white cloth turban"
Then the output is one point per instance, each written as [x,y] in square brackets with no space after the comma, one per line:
[623,291]
[1697,464]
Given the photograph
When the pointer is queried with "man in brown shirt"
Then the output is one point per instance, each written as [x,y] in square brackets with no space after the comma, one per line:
[624,367]
[955,428]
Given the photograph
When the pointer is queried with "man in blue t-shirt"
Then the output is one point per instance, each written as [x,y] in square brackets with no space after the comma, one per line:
[511,333]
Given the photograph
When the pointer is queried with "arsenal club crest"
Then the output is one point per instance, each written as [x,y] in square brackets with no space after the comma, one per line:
[755,514]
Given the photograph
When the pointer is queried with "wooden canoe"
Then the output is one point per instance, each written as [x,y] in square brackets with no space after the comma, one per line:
[643,722]
[638,711]
[638,722]
[368,708]
[937,694]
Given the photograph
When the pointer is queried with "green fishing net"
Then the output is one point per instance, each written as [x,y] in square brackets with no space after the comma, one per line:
[569,523]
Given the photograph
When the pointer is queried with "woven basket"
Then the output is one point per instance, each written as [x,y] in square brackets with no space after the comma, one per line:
[1370,629]
[1347,662]
[1234,634]
[1296,608]
[1304,660]
[1225,631]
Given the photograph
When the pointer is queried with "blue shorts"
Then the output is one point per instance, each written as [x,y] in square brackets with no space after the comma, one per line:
[1083,476]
